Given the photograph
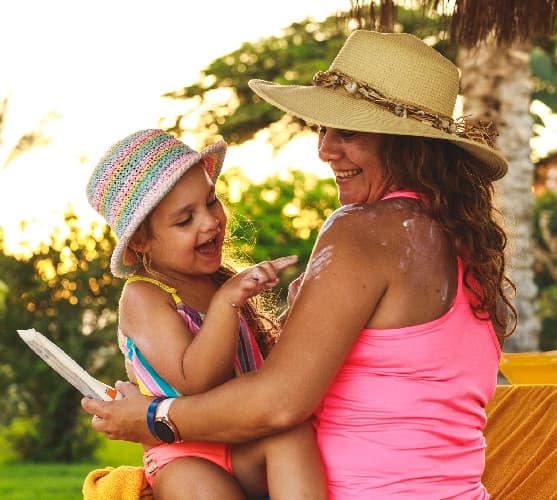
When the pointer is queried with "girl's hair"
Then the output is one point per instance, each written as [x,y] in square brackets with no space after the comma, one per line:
[461,200]
[259,312]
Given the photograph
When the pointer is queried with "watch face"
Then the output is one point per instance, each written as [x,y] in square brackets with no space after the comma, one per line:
[164,432]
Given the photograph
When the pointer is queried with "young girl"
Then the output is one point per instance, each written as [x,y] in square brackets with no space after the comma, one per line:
[187,322]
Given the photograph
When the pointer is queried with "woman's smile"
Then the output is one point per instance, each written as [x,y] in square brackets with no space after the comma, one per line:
[347,174]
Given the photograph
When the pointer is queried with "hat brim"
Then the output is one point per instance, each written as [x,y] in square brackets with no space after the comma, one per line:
[338,109]
[212,157]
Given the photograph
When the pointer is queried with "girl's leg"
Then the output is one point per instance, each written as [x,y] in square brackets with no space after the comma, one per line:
[193,478]
[289,463]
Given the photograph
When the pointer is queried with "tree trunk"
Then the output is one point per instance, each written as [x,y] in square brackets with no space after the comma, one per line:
[496,86]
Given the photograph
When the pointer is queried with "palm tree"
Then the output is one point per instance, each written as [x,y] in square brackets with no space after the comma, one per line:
[25,142]
[494,40]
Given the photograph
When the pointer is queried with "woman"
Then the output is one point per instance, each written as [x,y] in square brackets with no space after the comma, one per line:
[393,340]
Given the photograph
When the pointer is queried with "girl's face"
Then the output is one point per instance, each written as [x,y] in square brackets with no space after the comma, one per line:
[188,228]
[355,160]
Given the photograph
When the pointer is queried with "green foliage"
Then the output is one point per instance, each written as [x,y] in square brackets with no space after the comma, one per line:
[65,291]
[291,58]
[548,313]
[545,235]
[114,453]
[279,217]
[543,64]
[229,108]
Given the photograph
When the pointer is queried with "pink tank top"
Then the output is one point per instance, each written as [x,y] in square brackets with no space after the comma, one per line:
[403,418]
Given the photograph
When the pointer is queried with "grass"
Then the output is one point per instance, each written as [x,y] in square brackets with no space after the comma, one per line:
[20,481]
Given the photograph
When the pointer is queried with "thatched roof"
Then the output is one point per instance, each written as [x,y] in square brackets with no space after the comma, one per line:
[469,22]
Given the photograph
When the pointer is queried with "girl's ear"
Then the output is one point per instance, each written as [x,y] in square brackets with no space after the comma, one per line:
[131,257]
[136,247]
[138,244]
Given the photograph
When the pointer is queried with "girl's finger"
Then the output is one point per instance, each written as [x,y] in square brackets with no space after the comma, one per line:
[284,262]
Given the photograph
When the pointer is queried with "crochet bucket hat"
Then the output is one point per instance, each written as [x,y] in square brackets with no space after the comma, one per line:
[135,174]
[387,83]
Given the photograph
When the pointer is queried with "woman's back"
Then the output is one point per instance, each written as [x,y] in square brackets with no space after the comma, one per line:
[403,418]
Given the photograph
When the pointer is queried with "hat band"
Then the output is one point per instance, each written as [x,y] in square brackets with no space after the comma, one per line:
[483,133]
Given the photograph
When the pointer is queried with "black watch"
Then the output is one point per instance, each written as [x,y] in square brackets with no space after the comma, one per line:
[164,428]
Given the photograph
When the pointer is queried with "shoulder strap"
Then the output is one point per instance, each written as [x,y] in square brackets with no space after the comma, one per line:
[402,194]
[166,288]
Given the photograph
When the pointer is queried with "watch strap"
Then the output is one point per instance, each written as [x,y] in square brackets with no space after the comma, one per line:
[151,410]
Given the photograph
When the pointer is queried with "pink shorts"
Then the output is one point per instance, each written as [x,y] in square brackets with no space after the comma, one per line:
[156,458]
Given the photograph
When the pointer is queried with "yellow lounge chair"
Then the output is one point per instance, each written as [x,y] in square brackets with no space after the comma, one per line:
[529,367]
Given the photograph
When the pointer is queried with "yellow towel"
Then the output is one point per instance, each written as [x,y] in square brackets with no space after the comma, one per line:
[121,483]
[521,436]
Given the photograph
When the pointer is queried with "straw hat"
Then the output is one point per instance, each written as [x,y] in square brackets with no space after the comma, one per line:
[135,174]
[388,83]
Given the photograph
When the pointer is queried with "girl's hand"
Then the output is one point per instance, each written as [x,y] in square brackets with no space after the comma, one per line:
[255,279]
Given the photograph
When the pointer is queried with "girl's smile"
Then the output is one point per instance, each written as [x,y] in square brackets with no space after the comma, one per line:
[188,228]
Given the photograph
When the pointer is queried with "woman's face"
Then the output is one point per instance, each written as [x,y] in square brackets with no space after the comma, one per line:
[355,160]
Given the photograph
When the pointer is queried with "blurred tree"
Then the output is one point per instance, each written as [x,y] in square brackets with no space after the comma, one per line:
[65,291]
[23,143]
[221,103]
[545,233]
[278,217]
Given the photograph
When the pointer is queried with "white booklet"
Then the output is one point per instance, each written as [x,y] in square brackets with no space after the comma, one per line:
[59,361]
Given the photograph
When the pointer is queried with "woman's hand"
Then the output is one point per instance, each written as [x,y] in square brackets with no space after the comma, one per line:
[124,419]
[254,280]
[293,289]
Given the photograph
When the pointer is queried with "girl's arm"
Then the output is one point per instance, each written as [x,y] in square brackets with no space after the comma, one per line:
[193,363]
[222,319]
[148,315]
[339,294]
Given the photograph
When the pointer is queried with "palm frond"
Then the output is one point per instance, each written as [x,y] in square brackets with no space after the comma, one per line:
[469,22]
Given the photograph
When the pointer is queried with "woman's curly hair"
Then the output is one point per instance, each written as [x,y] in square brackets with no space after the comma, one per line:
[461,200]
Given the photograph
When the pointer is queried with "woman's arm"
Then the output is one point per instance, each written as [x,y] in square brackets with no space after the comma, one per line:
[292,292]
[334,303]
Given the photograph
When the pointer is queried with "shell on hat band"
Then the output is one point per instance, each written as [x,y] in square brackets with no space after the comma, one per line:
[482,133]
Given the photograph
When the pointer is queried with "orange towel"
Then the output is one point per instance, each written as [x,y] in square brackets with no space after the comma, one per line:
[121,483]
[521,435]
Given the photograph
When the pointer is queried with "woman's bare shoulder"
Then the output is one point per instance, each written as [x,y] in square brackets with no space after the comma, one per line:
[384,223]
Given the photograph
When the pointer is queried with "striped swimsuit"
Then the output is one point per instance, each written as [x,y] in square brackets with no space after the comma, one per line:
[248,358]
